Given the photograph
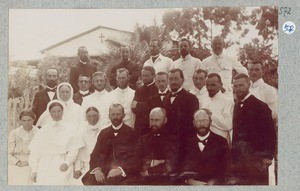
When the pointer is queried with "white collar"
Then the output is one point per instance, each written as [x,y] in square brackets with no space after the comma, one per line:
[118,127]
[84,92]
[246,97]
[201,91]
[257,82]
[165,91]
[51,88]
[177,90]
[217,56]
[156,56]
[97,92]
[187,57]
[219,94]
[122,90]
[204,137]
[82,62]
[151,83]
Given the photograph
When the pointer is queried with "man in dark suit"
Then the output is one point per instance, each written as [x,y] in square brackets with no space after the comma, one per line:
[157,151]
[83,67]
[43,97]
[134,69]
[254,137]
[84,84]
[139,104]
[206,153]
[113,159]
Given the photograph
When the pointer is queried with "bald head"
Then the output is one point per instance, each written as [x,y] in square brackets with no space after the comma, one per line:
[157,119]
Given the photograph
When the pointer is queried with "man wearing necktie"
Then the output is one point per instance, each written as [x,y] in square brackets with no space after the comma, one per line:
[254,137]
[43,97]
[206,154]
[157,151]
[84,83]
[113,159]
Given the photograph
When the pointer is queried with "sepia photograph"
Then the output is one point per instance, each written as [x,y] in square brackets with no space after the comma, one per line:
[173,96]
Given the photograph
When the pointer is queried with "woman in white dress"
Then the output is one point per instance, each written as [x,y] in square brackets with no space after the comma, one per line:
[54,149]
[89,133]
[18,152]
[72,113]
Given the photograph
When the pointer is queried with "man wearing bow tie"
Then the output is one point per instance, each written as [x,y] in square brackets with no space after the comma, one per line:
[254,137]
[84,83]
[157,151]
[206,153]
[43,97]
[113,159]
[84,66]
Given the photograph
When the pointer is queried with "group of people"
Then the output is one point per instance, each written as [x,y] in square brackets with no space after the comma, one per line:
[189,123]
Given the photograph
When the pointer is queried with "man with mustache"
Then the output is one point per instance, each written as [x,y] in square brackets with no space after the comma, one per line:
[113,159]
[43,97]
[84,66]
[157,151]
[187,63]
[206,153]
[222,65]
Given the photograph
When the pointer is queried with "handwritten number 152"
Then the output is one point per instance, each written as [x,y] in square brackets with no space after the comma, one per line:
[285,11]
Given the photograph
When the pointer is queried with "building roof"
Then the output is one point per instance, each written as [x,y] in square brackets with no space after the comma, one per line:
[79,35]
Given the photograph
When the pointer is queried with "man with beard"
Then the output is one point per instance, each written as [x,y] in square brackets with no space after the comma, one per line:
[84,84]
[187,63]
[139,104]
[113,159]
[43,97]
[199,88]
[254,137]
[157,151]
[222,65]
[206,153]
[133,69]
[159,62]
[83,67]
[220,106]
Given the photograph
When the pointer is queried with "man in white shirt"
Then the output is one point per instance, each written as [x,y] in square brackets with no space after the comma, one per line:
[261,90]
[220,106]
[99,98]
[124,95]
[187,63]
[159,62]
[222,65]
[199,88]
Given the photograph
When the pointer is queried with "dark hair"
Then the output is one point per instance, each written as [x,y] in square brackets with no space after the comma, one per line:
[150,69]
[199,71]
[81,47]
[84,75]
[125,46]
[91,109]
[186,40]
[98,73]
[55,104]
[257,62]
[240,76]
[52,68]
[159,43]
[162,73]
[174,70]
[27,112]
[117,105]
[211,75]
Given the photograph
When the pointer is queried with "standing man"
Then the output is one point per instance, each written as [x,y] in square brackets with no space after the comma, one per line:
[222,65]
[254,137]
[139,104]
[159,62]
[133,69]
[180,106]
[99,98]
[261,90]
[124,95]
[84,84]
[199,88]
[83,67]
[186,63]
[43,97]
[220,106]
[113,159]
[157,151]
[206,153]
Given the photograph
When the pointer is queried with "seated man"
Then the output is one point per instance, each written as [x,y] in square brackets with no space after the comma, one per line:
[113,158]
[157,151]
[206,153]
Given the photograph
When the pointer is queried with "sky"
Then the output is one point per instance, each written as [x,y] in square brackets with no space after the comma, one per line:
[31,30]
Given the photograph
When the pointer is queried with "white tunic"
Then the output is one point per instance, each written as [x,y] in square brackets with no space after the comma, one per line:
[18,141]
[222,112]
[125,98]
[161,64]
[188,65]
[202,95]
[267,94]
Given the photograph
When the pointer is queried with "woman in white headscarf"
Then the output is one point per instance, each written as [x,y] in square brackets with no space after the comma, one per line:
[72,113]
[54,149]
[90,130]
[18,152]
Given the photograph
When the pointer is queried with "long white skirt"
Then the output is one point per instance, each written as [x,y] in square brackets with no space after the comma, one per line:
[48,171]
[18,175]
